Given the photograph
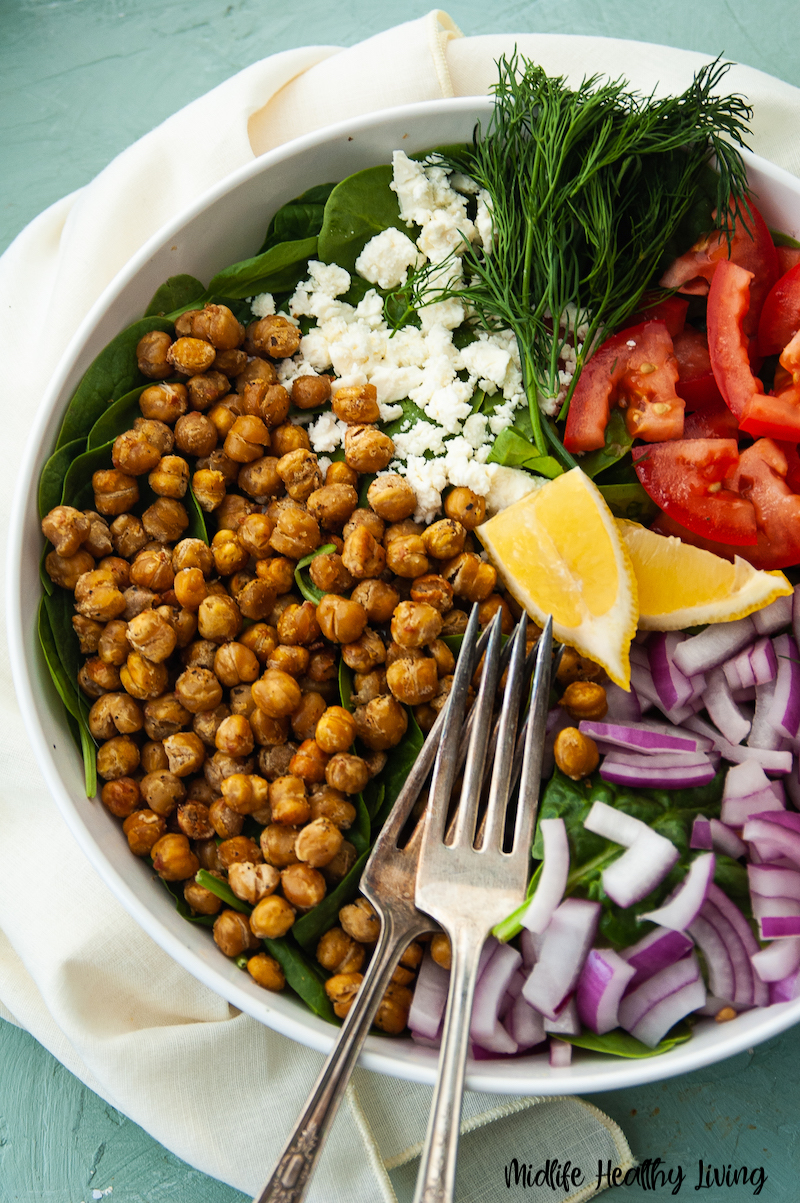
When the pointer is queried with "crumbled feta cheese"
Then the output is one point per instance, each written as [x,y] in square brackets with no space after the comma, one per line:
[263,305]
[327,433]
[507,485]
[386,258]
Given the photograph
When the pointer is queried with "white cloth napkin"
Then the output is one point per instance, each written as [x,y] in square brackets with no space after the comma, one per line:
[210,1083]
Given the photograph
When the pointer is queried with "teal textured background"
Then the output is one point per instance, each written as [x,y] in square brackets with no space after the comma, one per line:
[79,81]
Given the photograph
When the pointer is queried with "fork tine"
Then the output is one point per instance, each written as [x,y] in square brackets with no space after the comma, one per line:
[530,781]
[446,764]
[464,830]
[506,738]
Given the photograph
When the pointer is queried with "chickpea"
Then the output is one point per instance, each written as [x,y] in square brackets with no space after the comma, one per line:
[392,1014]
[434,590]
[338,868]
[339,473]
[415,624]
[185,752]
[252,882]
[364,653]
[273,762]
[66,528]
[98,541]
[382,723]
[405,556]
[206,389]
[276,693]
[151,354]
[96,678]
[327,803]
[208,487]
[322,666]
[215,323]
[261,639]
[198,689]
[121,796]
[143,830]
[366,449]
[488,608]
[288,801]
[291,660]
[576,755]
[89,633]
[170,477]
[329,574]
[342,989]
[413,681]
[153,756]
[143,679]
[234,736]
[363,517]
[190,356]
[339,953]
[200,900]
[577,668]
[585,700]
[305,718]
[128,535]
[246,437]
[237,849]
[278,844]
[115,492]
[225,821]
[278,573]
[162,791]
[275,336]
[194,822]
[266,972]
[164,716]
[465,507]
[273,405]
[347,773]
[221,766]
[218,618]
[360,921]
[272,917]
[298,625]
[97,596]
[300,473]
[206,852]
[118,757]
[260,479]
[115,714]
[356,404]
[150,635]
[190,588]
[363,556]
[335,730]
[244,792]
[309,762]
[303,886]
[369,685]
[441,950]
[165,520]
[233,934]
[332,505]
[340,620]
[471,578]
[454,622]
[445,660]
[113,646]
[296,534]
[392,497]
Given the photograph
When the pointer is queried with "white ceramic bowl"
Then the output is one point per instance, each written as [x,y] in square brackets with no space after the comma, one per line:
[222,227]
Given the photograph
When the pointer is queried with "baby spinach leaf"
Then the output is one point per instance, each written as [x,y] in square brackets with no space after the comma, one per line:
[112,374]
[398,765]
[621,1044]
[174,293]
[618,442]
[304,583]
[346,685]
[276,270]
[78,479]
[781,239]
[630,501]
[357,209]
[359,833]
[298,218]
[374,792]
[51,482]
[512,450]
[412,414]
[308,928]
[222,890]
[182,906]
[303,975]
[197,528]
[115,420]
[50,631]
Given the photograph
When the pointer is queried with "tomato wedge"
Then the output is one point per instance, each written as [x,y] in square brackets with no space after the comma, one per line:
[788,257]
[686,478]
[762,477]
[751,248]
[636,370]
[780,317]
[696,383]
[728,300]
[670,310]
[713,420]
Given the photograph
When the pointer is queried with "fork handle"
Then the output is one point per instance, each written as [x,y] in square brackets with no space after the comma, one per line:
[437,1171]
[292,1174]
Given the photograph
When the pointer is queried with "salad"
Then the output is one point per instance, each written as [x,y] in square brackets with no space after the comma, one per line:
[473,377]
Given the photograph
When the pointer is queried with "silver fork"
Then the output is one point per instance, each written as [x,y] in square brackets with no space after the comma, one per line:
[388,882]
[467,888]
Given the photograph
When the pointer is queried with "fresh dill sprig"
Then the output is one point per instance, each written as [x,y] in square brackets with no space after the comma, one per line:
[587,186]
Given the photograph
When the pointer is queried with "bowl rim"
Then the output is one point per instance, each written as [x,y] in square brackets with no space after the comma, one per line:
[528,1076]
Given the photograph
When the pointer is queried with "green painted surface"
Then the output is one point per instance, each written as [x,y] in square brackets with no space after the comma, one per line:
[79,81]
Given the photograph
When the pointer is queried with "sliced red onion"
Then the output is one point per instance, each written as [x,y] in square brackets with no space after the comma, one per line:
[567,1022]
[788,925]
[623,704]
[683,906]
[525,1024]
[642,683]
[723,710]
[771,881]
[701,834]
[553,878]
[736,811]
[651,1010]
[647,737]
[779,762]
[771,841]
[796,613]
[773,617]
[566,942]
[560,1054]
[763,733]
[754,665]
[614,824]
[713,646]
[430,998]
[683,774]
[785,990]
[726,841]
[604,979]
[767,910]
[641,868]
[500,1041]
[530,944]
[719,901]
[747,694]
[785,710]
[721,977]
[656,951]
[789,819]
[490,991]
[672,686]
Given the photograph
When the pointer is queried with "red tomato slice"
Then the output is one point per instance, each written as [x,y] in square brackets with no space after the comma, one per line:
[777,416]
[670,310]
[751,248]
[696,383]
[686,479]
[712,420]
[762,477]
[788,257]
[780,317]
[636,370]
[728,299]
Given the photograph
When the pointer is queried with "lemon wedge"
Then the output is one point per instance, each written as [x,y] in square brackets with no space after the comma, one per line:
[683,586]
[559,551]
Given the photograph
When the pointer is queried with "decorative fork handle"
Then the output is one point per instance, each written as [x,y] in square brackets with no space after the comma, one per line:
[437,1171]
[292,1174]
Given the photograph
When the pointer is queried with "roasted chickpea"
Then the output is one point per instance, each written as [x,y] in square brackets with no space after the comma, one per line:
[162,791]
[278,573]
[66,528]
[434,590]
[366,449]
[243,792]
[208,486]
[245,439]
[298,625]
[277,693]
[322,666]
[346,773]
[328,803]
[360,921]
[194,822]
[234,736]
[238,849]
[392,497]
[252,882]
[488,608]
[585,700]
[89,633]
[413,681]
[185,752]
[342,989]
[226,822]
[198,689]
[332,505]
[362,555]
[152,352]
[415,623]
[143,830]
[272,917]
[121,796]
[115,714]
[445,660]
[190,356]
[444,539]
[300,473]
[303,886]
[335,730]
[150,635]
[392,1014]
[338,473]
[309,762]
[339,953]
[576,755]
[471,578]
[200,900]
[405,557]
[218,618]
[113,646]
[340,620]
[274,761]
[465,507]
[170,477]
[153,756]
[215,323]
[329,574]
[96,678]
[233,934]
[118,757]
[577,668]
[341,864]
[305,718]
[206,389]
[318,842]
[115,492]
[165,520]
[273,405]
[164,715]
[382,723]
[365,653]
[296,533]
[173,859]
[141,678]
[275,336]
[97,596]
[288,801]
[266,972]
[277,845]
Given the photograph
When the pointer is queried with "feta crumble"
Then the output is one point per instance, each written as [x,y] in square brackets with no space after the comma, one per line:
[386,258]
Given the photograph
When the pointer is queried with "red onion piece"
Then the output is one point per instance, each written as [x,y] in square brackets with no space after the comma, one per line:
[754,665]
[566,942]
[663,760]
[775,616]
[785,711]
[683,907]
[763,733]
[713,646]
[553,878]
[771,841]
[641,868]
[747,790]
[785,990]
[656,951]
[728,910]
[567,1021]
[721,977]
[645,736]
[788,925]
[560,1054]
[614,824]
[499,1042]
[649,776]
[672,686]
[722,709]
[772,881]
[530,944]
[796,613]
[489,993]
[647,1012]
[789,819]
[701,834]
[526,1024]
[726,841]
[778,762]
[430,998]
[623,704]
[604,979]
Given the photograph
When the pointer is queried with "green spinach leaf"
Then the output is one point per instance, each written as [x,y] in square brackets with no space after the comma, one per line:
[112,374]
[512,450]
[276,270]
[115,420]
[304,583]
[303,974]
[51,482]
[357,209]
[621,1044]
[618,443]
[174,293]
[345,685]
[308,928]
[398,765]
[182,907]
[298,218]
[50,632]
[630,501]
